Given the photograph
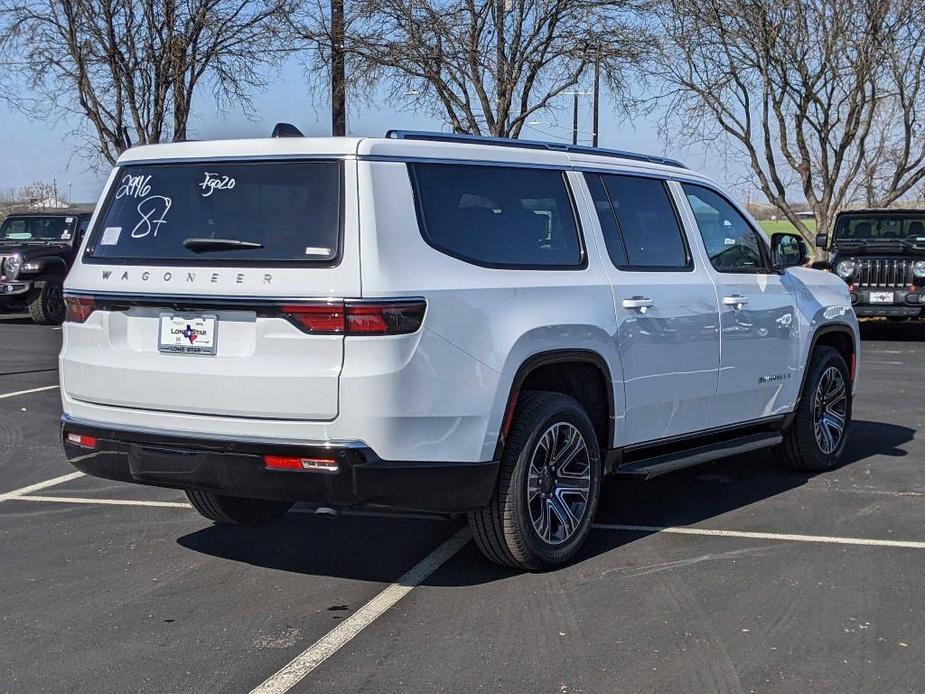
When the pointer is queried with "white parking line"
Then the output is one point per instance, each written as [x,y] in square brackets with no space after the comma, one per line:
[330,643]
[824,539]
[104,502]
[21,495]
[26,392]
[16,493]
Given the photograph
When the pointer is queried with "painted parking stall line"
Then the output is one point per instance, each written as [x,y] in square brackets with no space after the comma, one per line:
[303,664]
[16,393]
[748,534]
[39,486]
[103,502]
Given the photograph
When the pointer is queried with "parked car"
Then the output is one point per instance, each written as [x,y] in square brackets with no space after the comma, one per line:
[880,254]
[36,251]
[439,323]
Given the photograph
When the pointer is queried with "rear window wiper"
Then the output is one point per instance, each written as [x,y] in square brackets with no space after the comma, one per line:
[208,245]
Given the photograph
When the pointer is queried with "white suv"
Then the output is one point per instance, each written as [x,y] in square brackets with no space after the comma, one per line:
[439,323]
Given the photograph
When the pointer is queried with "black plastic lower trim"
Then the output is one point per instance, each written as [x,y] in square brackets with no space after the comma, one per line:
[886,310]
[236,468]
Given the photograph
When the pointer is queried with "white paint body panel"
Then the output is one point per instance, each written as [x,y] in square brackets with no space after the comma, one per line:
[439,394]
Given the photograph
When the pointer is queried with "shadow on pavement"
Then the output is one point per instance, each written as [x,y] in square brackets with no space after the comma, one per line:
[381,549]
[892,331]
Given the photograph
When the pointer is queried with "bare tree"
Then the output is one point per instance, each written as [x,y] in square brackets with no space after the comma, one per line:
[822,97]
[132,68]
[39,191]
[488,66]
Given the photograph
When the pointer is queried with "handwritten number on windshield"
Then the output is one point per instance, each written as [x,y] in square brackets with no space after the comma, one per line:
[153,211]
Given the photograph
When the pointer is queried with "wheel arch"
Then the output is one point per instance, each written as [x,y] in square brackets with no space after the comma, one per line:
[839,336]
[550,370]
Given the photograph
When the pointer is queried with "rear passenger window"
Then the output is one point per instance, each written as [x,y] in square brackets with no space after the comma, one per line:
[639,222]
[498,216]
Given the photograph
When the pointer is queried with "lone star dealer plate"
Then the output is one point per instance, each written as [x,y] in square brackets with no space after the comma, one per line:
[881,297]
[187,334]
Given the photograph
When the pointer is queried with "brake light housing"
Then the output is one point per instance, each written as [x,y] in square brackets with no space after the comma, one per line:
[78,308]
[358,317]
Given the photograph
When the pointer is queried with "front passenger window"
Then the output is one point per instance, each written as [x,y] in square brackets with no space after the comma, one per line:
[731,243]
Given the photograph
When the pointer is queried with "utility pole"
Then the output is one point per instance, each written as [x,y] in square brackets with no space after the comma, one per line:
[575,118]
[338,71]
[595,127]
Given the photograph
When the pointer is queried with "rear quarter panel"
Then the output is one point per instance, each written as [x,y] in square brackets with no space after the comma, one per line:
[481,323]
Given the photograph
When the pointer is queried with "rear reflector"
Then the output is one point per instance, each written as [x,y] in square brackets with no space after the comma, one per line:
[360,317]
[283,462]
[82,440]
[78,308]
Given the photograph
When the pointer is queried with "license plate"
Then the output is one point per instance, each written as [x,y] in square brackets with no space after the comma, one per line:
[187,334]
[881,297]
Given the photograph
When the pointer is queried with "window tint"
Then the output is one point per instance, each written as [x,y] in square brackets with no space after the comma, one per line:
[646,224]
[731,243]
[195,212]
[607,219]
[498,216]
[36,229]
[881,226]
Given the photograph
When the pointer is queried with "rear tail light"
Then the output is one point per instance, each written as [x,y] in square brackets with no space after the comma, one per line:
[317,319]
[78,308]
[359,317]
[285,462]
[82,440]
[388,318]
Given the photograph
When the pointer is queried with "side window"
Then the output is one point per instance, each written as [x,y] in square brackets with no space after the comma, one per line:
[731,243]
[498,216]
[641,228]
[608,220]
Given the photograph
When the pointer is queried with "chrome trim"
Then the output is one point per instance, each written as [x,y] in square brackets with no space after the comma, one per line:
[219,438]
[205,300]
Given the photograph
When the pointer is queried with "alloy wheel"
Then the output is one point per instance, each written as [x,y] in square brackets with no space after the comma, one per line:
[559,483]
[830,410]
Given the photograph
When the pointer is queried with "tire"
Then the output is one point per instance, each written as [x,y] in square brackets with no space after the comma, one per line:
[233,510]
[46,303]
[506,530]
[802,449]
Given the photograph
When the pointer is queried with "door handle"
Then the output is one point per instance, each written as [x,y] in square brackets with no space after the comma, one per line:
[640,302]
[736,300]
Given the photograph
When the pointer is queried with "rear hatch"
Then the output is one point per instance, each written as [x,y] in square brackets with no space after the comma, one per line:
[212,288]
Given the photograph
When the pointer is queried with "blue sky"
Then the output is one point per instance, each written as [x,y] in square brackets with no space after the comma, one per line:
[39,151]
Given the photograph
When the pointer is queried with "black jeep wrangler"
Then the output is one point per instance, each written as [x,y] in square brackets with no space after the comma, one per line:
[881,256]
[36,251]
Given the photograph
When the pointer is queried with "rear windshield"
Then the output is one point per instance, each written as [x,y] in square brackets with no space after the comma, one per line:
[231,213]
[26,229]
[881,227]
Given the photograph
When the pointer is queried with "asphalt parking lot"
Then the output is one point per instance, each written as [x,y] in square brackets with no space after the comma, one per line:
[732,577]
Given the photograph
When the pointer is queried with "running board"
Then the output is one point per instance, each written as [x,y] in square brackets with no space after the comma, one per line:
[668,462]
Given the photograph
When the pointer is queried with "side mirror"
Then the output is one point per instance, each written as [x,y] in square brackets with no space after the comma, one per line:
[788,250]
[822,240]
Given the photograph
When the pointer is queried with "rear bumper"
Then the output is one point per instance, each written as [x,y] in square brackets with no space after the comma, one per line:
[236,468]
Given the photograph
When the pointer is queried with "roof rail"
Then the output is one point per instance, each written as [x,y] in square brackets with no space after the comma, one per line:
[529,144]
